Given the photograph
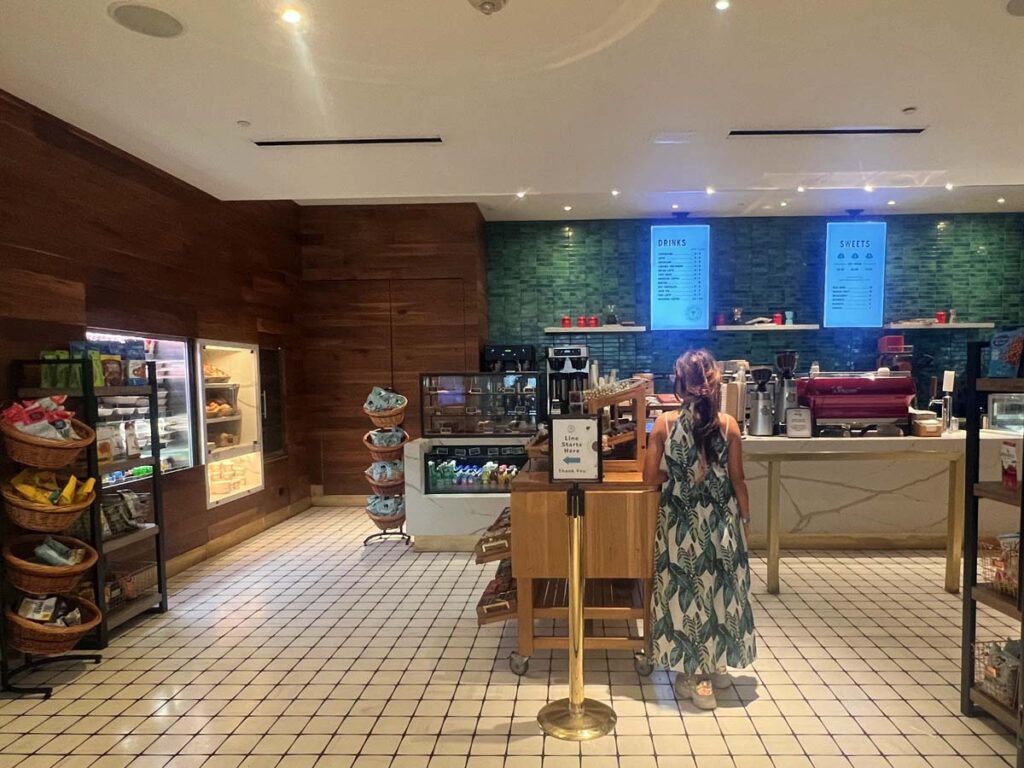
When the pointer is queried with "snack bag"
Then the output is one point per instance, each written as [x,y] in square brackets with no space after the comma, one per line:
[1006,358]
[1008,460]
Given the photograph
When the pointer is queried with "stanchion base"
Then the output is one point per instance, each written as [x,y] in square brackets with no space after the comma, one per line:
[594,721]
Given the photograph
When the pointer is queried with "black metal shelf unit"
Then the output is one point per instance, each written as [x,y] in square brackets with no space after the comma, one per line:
[86,406]
[974,698]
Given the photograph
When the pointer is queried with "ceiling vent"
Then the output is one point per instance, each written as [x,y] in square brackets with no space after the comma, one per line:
[775,132]
[145,20]
[348,142]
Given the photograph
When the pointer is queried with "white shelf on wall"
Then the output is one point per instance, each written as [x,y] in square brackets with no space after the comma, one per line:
[931,326]
[767,327]
[598,329]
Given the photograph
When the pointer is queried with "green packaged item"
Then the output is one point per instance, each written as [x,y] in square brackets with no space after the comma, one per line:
[54,376]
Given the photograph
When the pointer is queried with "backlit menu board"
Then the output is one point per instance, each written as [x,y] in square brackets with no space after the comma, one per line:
[680,277]
[854,274]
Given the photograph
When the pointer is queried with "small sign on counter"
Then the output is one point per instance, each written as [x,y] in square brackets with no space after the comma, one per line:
[575,449]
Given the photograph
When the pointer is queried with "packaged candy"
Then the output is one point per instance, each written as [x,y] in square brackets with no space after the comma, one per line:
[1008,460]
[1007,354]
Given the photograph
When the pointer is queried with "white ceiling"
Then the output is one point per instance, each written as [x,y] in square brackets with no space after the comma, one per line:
[561,99]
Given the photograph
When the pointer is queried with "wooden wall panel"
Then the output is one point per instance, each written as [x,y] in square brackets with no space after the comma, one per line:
[412,278]
[90,235]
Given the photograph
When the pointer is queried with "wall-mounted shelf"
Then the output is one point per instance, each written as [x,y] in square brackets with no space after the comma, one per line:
[766,327]
[596,329]
[928,326]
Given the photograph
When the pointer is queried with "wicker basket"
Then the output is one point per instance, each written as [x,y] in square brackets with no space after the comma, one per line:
[38,579]
[42,453]
[31,637]
[42,517]
[387,419]
[391,488]
[385,453]
[387,522]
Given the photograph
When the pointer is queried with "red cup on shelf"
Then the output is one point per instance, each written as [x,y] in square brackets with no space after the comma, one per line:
[940,317]
[593,322]
[720,318]
[566,321]
[581,321]
[777,318]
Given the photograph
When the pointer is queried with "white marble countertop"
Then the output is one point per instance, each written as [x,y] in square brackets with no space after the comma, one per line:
[953,444]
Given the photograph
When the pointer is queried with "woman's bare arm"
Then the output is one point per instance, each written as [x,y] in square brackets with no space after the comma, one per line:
[653,474]
[736,475]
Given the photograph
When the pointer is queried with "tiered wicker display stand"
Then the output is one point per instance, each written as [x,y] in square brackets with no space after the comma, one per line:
[28,525]
[391,526]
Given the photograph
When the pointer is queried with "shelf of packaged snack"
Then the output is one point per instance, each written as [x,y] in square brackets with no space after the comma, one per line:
[996,600]
[766,327]
[471,393]
[996,491]
[122,464]
[612,328]
[1001,385]
[36,392]
[232,452]
[999,711]
[934,326]
[144,602]
[222,419]
[147,531]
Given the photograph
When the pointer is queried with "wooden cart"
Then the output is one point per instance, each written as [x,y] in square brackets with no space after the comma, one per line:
[618,543]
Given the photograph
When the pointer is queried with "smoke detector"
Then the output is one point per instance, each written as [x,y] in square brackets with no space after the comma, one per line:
[487,7]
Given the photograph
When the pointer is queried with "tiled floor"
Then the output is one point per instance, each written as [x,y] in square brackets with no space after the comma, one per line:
[303,648]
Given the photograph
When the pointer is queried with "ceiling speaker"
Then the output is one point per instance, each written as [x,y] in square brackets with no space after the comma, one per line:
[145,20]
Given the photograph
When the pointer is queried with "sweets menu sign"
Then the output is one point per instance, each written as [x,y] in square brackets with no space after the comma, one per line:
[854,274]
[680,277]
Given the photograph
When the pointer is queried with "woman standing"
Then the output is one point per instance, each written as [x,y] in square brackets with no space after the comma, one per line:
[702,620]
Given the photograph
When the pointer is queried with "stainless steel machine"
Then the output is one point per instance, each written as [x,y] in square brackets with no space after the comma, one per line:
[785,388]
[762,403]
[568,377]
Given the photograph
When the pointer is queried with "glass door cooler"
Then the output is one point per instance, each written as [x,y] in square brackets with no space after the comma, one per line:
[229,419]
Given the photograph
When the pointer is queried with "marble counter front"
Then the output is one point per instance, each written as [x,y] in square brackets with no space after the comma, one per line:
[896,495]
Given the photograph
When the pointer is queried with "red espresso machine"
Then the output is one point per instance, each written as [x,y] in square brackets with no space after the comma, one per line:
[859,404]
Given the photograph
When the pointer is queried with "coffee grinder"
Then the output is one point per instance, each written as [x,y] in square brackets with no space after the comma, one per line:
[762,404]
[785,389]
[568,374]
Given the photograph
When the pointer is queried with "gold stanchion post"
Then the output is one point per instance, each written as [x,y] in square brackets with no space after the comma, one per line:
[576,718]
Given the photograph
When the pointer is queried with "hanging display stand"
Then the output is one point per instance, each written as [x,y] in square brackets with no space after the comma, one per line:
[391,526]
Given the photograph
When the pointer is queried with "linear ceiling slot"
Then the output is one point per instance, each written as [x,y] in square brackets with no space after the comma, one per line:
[826,132]
[348,142]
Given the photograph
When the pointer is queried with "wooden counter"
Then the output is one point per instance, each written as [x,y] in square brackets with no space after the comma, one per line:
[618,543]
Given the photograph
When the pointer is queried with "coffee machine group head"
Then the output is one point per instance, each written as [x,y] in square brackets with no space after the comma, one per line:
[762,403]
[786,395]
[568,377]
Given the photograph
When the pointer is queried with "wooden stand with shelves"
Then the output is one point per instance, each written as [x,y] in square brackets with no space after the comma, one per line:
[612,408]
[972,698]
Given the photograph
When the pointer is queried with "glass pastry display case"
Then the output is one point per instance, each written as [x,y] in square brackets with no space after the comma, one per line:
[468,404]
[173,393]
[228,386]
[472,468]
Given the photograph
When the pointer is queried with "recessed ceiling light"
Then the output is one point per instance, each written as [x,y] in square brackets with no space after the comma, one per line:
[615,193]
[709,190]
[869,188]
[520,194]
[675,206]
[145,20]
[291,16]
[891,202]
[783,203]
[801,188]
[566,208]
[1001,200]
[722,5]
[949,186]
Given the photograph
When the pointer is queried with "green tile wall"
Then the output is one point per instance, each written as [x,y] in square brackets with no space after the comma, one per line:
[538,271]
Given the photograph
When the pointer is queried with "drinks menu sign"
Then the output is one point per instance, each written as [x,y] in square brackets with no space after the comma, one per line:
[854,274]
[680,277]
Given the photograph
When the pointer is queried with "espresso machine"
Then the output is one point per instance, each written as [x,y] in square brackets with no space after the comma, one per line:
[504,358]
[762,403]
[568,377]
[785,388]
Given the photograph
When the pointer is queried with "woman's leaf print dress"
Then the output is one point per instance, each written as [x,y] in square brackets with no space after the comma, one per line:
[702,618]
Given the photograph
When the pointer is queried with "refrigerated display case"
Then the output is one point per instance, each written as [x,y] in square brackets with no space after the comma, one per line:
[126,412]
[467,404]
[472,468]
[228,391]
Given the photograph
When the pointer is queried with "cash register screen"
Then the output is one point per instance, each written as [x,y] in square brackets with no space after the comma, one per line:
[854,274]
[680,277]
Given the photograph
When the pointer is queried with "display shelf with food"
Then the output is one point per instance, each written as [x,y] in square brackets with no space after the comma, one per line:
[230,424]
[386,472]
[990,671]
